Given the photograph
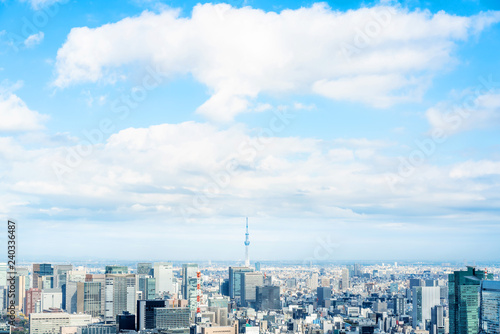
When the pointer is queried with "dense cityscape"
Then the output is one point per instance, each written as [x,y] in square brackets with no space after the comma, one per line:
[250,167]
[253,298]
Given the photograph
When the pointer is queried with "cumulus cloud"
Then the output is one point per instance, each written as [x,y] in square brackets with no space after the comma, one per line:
[16,116]
[378,56]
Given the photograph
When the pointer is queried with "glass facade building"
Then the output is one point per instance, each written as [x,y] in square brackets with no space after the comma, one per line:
[463,292]
[489,312]
[172,317]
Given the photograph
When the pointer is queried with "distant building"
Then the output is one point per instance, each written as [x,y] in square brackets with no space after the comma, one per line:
[145,268]
[116,270]
[323,293]
[51,323]
[147,285]
[189,283]
[146,313]
[437,320]
[33,296]
[235,281]
[164,276]
[346,284]
[172,317]
[399,305]
[39,270]
[268,298]
[424,299]
[120,292]
[250,282]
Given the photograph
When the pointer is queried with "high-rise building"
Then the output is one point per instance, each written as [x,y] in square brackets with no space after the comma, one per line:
[257,266]
[218,301]
[52,298]
[345,279]
[399,305]
[189,270]
[146,313]
[489,311]
[145,268]
[437,320]
[313,281]
[60,271]
[147,285]
[235,281]
[163,273]
[463,287]
[250,281]
[89,298]
[33,296]
[323,293]
[424,299]
[268,298]
[172,317]
[116,270]
[41,269]
[120,295]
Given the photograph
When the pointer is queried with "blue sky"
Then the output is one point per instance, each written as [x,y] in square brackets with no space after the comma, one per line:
[150,129]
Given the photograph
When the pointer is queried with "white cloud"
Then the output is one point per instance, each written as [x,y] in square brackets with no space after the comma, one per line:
[471,111]
[16,116]
[241,53]
[34,39]
[471,169]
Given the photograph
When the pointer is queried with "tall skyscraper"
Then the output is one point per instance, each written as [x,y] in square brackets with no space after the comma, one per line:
[164,275]
[89,298]
[247,243]
[463,288]
[437,320]
[40,269]
[147,285]
[33,296]
[424,299]
[235,281]
[120,295]
[190,283]
[399,305]
[60,271]
[346,284]
[489,311]
[323,293]
[250,282]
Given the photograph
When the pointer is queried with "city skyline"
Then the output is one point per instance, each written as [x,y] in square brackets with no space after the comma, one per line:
[151,128]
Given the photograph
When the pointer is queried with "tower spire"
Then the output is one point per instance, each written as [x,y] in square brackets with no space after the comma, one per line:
[247,243]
